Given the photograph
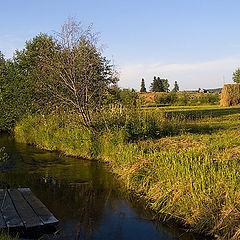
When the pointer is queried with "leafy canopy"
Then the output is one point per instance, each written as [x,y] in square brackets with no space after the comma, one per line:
[236,76]
[66,69]
[159,85]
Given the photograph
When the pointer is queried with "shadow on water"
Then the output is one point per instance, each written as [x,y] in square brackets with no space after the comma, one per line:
[84,196]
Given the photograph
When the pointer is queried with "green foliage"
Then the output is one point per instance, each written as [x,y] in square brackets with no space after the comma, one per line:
[27,66]
[184,99]
[55,130]
[236,76]
[6,236]
[68,71]
[150,125]
[159,85]
[76,74]
[112,95]
[128,97]
[2,65]
[116,97]
[166,98]
[16,97]
[143,88]
[51,132]
[187,99]
[209,98]
[19,89]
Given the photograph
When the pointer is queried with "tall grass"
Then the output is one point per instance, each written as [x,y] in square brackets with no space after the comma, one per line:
[5,236]
[54,132]
[61,131]
[192,185]
[187,169]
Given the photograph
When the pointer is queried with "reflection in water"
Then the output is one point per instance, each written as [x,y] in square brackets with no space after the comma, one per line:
[83,195]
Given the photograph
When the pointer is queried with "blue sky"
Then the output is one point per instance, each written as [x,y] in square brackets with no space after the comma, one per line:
[195,42]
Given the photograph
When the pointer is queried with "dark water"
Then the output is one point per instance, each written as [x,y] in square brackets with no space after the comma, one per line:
[83,195]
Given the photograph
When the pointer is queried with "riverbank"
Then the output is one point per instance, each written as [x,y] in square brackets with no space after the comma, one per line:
[186,168]
[5,236]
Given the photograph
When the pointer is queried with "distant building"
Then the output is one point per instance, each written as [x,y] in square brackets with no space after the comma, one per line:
[203,91]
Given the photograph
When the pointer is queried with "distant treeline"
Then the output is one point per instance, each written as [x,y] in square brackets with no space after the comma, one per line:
[159,85]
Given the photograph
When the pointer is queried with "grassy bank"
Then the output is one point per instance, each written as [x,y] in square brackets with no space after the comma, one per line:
[187,168]
[5,236]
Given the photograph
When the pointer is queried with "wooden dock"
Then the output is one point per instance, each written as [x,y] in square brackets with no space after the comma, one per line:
[20,208]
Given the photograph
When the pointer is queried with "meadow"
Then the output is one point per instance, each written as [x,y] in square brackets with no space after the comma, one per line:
[184,161]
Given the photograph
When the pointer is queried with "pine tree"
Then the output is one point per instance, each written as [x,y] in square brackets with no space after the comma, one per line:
[176,87]
[159,85]
[143,88]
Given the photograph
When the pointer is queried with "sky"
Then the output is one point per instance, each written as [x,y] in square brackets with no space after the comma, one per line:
[193,42]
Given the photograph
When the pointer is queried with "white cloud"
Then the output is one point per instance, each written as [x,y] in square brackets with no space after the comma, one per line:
[209,74]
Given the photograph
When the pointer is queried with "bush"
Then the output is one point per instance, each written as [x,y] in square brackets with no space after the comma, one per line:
[128,98]
[166,98]
[187,99]
[134,125]
[209,98]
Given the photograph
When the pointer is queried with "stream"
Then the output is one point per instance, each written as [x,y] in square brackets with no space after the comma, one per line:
[86,198]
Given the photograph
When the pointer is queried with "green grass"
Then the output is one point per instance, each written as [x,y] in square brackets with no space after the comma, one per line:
[185,165]
[5,236]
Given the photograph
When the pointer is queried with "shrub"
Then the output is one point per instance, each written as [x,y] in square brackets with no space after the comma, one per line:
[209,98]
[166,98]
[187,99]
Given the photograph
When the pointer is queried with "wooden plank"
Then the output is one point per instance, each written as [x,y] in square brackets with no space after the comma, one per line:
[40,209]
[24,210]
[9,212]
[2,222]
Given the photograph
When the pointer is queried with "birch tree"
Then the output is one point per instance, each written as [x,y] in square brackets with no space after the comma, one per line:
[74,72]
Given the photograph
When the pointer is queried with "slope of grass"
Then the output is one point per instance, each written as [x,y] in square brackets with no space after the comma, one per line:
[188,171]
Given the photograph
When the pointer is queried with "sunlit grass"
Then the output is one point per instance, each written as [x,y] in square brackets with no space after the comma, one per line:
[185,165]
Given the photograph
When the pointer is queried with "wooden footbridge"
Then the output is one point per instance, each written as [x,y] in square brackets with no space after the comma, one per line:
[20,208]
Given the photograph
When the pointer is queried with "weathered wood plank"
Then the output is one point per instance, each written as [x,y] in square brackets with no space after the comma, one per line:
[40,209]
[9,212]
[24,210]
[2,222]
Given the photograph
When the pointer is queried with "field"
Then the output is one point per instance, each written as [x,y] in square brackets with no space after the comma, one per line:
[179,98]
[184,161]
